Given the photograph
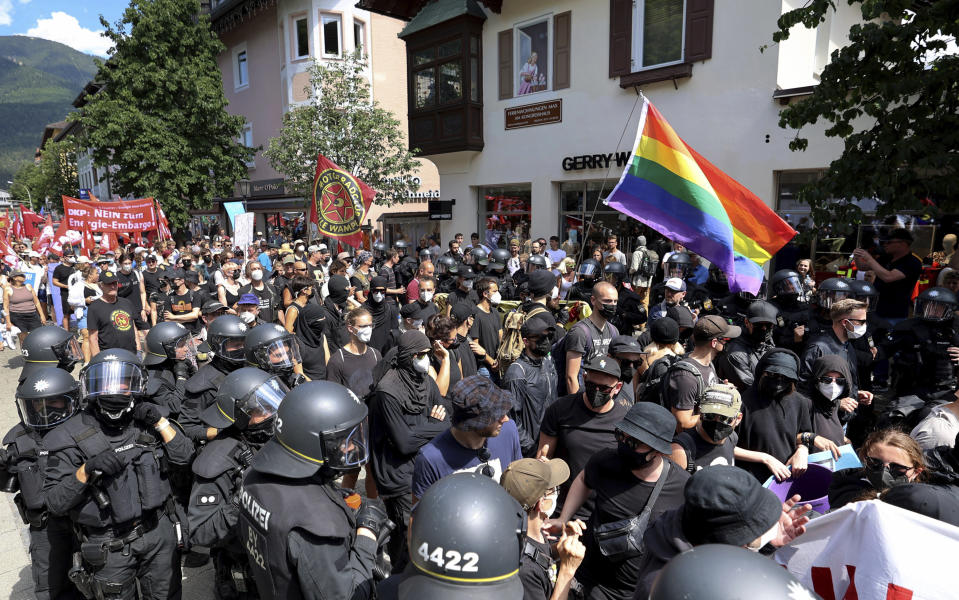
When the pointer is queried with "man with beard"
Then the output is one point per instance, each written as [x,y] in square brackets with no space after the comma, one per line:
[481,438]
[686,380]
[244,412]
[531,379]
[406,412]
[336,307]
[674,294]
[384,313]
[738,363]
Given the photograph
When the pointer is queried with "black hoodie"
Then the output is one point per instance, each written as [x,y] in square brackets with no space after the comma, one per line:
[825,413]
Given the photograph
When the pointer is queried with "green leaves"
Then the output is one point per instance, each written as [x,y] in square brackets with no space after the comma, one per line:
[160,116]
[895,108]
[342,121]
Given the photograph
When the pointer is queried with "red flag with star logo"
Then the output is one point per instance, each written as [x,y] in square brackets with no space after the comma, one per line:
[340,203]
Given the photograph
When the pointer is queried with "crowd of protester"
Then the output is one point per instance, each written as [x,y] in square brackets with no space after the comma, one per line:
[629,405]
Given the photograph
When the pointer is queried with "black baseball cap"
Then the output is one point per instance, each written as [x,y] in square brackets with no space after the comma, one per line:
[535,326]
[761,311]
[624,344]
[603,364]
[108,277]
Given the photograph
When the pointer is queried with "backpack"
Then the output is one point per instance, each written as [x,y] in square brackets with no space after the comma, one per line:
[511,346]
[558,352]
[647,266]
[655,380]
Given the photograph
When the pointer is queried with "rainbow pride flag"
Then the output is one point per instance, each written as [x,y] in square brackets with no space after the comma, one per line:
[671,188]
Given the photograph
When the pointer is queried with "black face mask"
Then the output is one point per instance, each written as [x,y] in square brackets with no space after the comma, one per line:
[626,371]
[607,310]
[633,459]
[542,347]
[187,263]
[882,479]
[455,344]
[717,431]
[260,433]
[596,397]
[761,334]
[773,388]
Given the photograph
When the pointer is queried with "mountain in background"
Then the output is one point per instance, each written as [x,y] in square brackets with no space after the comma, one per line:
[39,80]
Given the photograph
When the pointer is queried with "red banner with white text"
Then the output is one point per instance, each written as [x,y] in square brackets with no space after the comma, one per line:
[113,217]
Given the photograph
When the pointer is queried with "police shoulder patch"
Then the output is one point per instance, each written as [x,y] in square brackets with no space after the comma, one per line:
[207,499]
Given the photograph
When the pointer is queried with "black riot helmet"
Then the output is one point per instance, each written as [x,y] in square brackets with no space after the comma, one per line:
[936,305]
[319,424]
[445,264]
[589,270]
[833,290]
[272,348]
[785,284]
[706,573]
[248,400]
[469,517]
[865,292]
[678,265]
[379,249]
[498,259]
[225,337]
[169,341]
[750,297]
[113,381]
[615,272]
[536,261]
[50,346]
[402,248]
[717,283]
[480,257]
[48,396]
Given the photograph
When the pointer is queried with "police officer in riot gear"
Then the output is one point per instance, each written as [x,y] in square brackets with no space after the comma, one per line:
[466,540]
[225,337]
[47,397]
[48,346]
[535,262]
[275,350]
[680,265]
[170,360]
[446,267]
[301,537]
[107,470]
[867,347]
[830,291]
[497,270]
[379,254]
[405,269]
[244,412]
[630,312]
[919,347]
[717,284]
[785,290]
[587,275]
[479,259]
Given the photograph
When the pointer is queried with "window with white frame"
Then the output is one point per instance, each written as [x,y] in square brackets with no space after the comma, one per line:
[246,139]
[332,42]
[242,74]
[359,35]
[301,37]
[533,55]
[659,29]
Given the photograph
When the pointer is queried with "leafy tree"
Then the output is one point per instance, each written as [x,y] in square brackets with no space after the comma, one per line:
[55,175]
[343,122]
[892,96]
[160,115]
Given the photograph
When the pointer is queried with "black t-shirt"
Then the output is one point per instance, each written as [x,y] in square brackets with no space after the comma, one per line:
[619,494]
[683,387]
[706,454]
[113,324]
[180,304]
[62,273]
[587,340]
[485,330]
[459,295]
[537,580]
[129,288]
[895,298]
[151,281]
[580,433]
[353,371]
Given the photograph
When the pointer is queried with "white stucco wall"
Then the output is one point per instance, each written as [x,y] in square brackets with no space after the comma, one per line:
[725,111]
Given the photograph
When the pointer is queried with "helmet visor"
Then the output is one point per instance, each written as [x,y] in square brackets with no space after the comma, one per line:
[829,297]
[676,270]
[790,286]
[183,349]
[588,269]
[278,354]
[261,403]
[47,412]
[231,348]
[114,378]
[69,350]
[347,449]
[935,310]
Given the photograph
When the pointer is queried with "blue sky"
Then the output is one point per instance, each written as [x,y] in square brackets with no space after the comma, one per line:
[69,22]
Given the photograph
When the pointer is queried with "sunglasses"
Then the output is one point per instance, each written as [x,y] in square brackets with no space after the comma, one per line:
[606,389]
[828,380]
[632,442]
[777,377]
[857,321]
[717,418]
[895,469]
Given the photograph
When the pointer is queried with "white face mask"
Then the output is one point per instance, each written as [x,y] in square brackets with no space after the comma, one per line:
[126,268]
[421,365]
[364,334]
[555,293]
[551,507]
[830,390]
[247,317]
[426,296]
[857,332]
[378,296]
[468,284]
[495,298]
[256,275]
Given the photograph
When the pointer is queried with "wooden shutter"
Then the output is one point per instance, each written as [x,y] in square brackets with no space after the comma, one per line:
[562,25]
[699,30]
[505,64]
[620,37]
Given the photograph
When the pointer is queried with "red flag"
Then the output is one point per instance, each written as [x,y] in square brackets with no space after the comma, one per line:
[31,223]
[163,226]
[340,203]
[46,236]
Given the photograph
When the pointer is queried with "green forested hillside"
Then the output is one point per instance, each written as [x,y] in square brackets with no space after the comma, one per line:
[38,81]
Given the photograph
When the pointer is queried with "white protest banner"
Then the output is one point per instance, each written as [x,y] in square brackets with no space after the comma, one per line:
[243,230]
[875,551]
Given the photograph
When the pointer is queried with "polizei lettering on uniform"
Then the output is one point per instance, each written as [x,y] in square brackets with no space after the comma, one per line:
[258,514]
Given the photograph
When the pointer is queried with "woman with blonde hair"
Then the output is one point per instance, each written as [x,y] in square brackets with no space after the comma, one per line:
[889,458]
[567,276]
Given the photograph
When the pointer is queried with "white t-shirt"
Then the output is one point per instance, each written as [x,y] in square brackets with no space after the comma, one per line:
[939,428]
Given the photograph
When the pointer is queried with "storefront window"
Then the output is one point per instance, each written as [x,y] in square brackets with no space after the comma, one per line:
[578,201]
[506,213]
[411,228]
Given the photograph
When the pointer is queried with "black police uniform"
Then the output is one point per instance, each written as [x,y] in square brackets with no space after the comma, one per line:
[792,313]
[51,536]
[734,308]
[922,365]
[200,391]
[738,363]
[580,291]
[405,271]
[507,288]
[630,312]
[165,389]
[137,537]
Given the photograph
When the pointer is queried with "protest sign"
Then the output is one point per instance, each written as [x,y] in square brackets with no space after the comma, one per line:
[115,217]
